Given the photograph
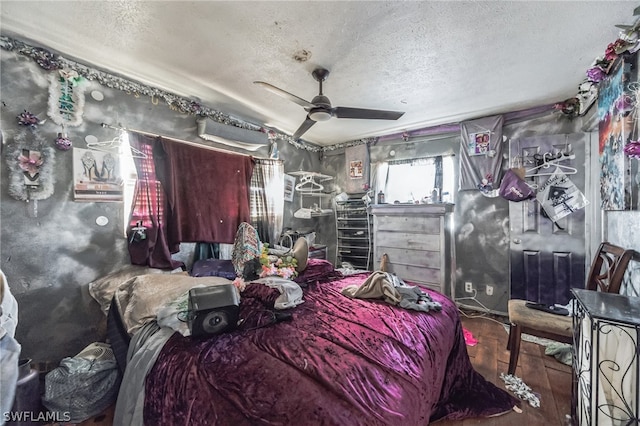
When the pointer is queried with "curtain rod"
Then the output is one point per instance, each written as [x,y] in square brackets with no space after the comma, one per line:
[142,132]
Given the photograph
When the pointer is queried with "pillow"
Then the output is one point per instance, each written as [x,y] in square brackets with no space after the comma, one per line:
[140,298]
[214,268]
[317,270]
[103,289]
[246,247]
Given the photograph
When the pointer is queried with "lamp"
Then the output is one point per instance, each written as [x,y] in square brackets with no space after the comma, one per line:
[319,114]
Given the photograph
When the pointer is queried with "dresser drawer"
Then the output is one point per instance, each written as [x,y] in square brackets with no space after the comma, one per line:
[408,240]
[403,256]
[416,224]
[417,274]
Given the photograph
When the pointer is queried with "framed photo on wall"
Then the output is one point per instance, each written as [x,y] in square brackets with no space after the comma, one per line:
[356,169]
[289,187]
[96,176]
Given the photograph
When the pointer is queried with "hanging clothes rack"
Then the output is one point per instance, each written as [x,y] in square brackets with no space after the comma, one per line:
[114,147]
[549,160]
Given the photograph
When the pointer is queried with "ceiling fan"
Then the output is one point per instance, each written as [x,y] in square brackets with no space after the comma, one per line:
[320,109]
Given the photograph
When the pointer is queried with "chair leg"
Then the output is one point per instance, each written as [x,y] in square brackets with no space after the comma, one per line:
[513,345]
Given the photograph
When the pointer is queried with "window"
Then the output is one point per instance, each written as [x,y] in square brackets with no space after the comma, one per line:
[410,181]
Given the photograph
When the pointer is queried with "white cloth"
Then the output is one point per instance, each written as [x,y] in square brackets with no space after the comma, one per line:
[290,292]
[9,349]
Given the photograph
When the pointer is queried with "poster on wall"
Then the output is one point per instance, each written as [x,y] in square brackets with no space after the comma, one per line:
[615,124]
[479,143]
[96,176]
[559,196]
[356,169]
[289,185]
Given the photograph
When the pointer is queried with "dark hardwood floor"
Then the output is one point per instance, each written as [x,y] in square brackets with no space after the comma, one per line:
[546,376]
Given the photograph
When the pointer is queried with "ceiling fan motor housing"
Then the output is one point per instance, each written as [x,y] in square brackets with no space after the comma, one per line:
[321,110]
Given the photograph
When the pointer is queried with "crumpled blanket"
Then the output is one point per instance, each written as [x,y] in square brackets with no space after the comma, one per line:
[383,285]
[290,292]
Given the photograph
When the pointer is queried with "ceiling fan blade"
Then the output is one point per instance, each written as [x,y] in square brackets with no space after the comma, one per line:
[284,94]
[370,114]
[306,125]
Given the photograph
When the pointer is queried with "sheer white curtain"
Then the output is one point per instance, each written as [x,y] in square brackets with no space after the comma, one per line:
[267,199]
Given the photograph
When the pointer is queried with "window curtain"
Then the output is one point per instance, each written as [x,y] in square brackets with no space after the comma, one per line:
[207,192]
[148,245]
[379,176]
[267,199]
[439,178]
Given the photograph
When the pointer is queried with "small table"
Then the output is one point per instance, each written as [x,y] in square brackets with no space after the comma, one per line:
[606,345]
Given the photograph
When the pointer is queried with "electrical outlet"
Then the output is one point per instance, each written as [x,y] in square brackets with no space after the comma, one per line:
[468,287]
[489,290]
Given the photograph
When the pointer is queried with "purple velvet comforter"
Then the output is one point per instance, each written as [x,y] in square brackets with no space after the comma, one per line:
[339,361]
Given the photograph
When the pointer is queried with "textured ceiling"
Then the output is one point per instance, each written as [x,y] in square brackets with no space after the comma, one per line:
[440,62]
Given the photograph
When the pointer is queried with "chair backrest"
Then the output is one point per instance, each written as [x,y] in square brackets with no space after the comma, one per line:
[608,268]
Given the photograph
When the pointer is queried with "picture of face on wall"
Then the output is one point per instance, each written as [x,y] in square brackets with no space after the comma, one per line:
[355,169]
[479,143]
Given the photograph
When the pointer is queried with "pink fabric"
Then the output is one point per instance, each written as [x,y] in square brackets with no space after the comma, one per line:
[338,361]
[468,338]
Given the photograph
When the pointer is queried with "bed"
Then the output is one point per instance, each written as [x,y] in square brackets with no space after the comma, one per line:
[336,361]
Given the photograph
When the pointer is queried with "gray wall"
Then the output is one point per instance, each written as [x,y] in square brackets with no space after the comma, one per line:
[480,224]
[50,259]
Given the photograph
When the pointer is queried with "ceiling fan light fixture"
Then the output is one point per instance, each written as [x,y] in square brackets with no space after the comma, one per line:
[319,115]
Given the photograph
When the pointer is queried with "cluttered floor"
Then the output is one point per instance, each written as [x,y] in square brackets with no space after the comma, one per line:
[548,378]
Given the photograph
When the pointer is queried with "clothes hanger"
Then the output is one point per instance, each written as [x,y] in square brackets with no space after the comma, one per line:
[308,184]
[549,160]
[115,144]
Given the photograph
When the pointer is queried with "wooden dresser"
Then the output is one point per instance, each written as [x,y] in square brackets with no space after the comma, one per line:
[416,239]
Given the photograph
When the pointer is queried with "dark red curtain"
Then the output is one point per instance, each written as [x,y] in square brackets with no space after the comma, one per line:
[207,192]
[149,246]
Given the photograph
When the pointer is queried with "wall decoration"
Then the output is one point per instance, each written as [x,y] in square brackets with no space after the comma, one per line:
[30,163]
[66,97]
[559,196]
[50,61]
[615,124]
[355,169]
[632,149]
[97,176]
[62,142]
[25,118]
[289,187]
[481,146]
[479,143]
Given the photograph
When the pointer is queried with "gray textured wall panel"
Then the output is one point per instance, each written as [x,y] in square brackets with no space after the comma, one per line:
[49,260]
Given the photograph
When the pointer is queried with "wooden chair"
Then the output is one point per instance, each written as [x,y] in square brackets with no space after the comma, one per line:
[605,274]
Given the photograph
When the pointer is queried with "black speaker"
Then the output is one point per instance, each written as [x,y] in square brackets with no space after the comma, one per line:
[213,310]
